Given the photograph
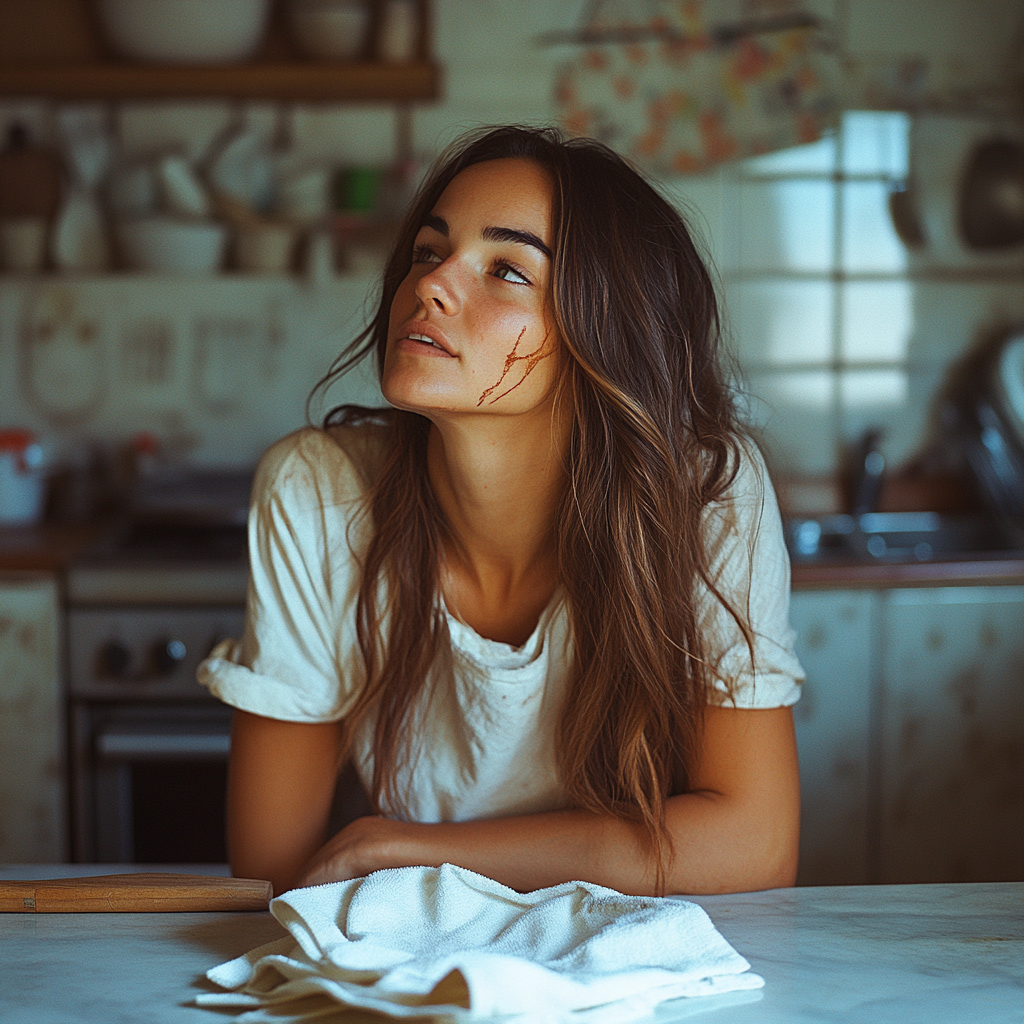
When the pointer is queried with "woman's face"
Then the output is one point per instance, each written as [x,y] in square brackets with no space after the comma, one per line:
[471,327]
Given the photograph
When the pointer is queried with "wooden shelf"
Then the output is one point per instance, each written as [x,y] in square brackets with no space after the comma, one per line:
[277,80]
[56,49]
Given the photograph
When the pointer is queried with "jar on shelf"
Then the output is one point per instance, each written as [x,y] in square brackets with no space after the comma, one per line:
[21,478]
[398,38]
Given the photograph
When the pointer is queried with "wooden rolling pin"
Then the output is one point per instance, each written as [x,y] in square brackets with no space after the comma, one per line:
[143,893]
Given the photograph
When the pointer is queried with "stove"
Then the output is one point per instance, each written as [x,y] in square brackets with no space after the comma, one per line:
[148,744]
[143,564]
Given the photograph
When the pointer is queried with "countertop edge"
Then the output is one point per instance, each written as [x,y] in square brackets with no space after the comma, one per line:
[46,548]
[967,572]
[52,548]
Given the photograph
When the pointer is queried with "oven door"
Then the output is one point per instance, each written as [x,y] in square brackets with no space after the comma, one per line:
[156,785]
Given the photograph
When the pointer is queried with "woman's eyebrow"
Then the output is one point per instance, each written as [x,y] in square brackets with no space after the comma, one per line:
[439,224]
[492,234]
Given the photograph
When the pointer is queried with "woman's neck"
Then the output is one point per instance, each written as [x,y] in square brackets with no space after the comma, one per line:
[500,483]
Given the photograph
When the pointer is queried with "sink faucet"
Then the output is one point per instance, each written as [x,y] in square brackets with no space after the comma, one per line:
[867,471]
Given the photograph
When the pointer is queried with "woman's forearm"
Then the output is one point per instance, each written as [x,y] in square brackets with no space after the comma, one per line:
[738,830]
[715,849]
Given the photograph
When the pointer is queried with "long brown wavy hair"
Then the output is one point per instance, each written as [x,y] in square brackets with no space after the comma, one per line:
[654,440]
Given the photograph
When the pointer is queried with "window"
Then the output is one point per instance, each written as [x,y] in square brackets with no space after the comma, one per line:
[818,292]
[837,326]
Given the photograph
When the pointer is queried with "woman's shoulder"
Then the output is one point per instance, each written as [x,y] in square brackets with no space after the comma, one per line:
[322,466]
[747,485]
[746,510]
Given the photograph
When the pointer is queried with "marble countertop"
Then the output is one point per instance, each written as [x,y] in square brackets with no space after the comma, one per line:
[912,954]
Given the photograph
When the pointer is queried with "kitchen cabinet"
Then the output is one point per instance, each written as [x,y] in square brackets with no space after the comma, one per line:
[911,734]
[32,791]
[833,727]
[952,735]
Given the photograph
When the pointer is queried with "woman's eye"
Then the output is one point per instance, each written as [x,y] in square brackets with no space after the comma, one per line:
[424,254]
[506,272]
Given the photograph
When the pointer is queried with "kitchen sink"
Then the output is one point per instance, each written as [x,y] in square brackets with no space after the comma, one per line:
[897,537]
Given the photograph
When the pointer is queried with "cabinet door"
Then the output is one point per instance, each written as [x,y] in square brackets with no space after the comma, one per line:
[952,780]
[32,812]
[835,636]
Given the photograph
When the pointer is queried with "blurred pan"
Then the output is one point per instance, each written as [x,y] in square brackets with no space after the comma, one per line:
[1008,385]
[992,196]
[987,419]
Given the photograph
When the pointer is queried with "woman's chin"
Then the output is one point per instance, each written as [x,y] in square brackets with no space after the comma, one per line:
[418,399]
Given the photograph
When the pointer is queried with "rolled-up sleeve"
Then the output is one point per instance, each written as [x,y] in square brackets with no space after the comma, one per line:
[297,658]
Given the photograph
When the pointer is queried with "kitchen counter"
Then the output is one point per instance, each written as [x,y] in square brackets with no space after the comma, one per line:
[46,548]
[864,954]
[50,548]
[968,571]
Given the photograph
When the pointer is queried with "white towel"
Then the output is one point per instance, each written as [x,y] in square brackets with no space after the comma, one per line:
[451,944]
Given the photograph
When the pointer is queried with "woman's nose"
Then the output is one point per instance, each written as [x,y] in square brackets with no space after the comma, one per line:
[438,290]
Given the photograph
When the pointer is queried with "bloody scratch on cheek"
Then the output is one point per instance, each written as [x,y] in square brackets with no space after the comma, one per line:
[510,360]
[531,358]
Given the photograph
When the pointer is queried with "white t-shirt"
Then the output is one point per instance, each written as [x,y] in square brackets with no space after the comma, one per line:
[486,732]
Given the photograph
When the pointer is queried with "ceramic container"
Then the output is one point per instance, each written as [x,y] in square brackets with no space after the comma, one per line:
[79,241]
[398,32]
[180,189]
[265,248]
[329,29]
[22,487]
[320,264]
[168,246]
[304,193]
[185,31]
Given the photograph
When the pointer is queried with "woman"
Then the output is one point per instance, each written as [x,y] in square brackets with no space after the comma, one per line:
[541,605]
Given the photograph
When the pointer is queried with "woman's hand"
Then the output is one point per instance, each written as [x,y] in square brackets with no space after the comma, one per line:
[365,845]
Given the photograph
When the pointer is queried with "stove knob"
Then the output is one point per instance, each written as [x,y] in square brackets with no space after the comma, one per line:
[115,658]
[167,655]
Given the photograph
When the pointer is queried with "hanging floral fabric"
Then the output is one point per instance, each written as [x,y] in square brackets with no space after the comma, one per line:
[681,86]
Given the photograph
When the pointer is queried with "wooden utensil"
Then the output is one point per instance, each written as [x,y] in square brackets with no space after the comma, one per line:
[142,893]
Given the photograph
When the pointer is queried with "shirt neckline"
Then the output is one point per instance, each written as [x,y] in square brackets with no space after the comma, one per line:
[483,650]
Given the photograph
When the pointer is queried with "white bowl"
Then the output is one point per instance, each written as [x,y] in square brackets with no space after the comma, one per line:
[167,246]
[329,29]
[303,193]
[185,31]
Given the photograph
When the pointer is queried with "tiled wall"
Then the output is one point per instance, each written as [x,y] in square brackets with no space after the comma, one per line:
[837,327]
[217,369]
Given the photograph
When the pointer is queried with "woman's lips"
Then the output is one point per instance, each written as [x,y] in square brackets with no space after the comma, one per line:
[419,346]
[425,340]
